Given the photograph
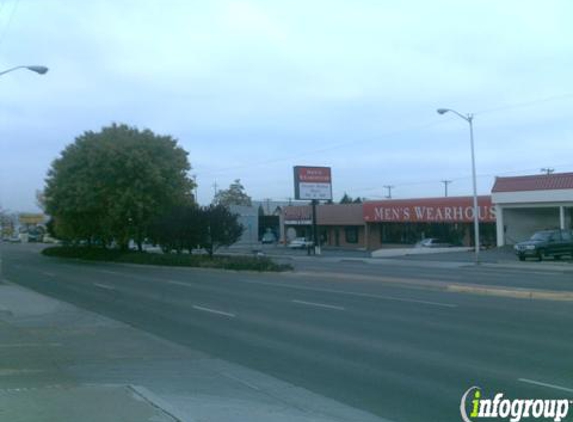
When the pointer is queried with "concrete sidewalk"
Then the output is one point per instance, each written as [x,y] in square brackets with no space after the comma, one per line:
[61,363]
[396,252]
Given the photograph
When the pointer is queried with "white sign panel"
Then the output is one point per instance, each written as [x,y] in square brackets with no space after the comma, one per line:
[314,191]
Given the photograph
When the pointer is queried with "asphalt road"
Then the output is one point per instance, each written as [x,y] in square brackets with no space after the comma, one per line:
[406,354]
[528,275]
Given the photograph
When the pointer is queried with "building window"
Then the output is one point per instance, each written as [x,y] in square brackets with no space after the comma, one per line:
[351,234]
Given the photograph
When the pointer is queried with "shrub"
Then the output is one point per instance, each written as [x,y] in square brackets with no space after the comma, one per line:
[237,263]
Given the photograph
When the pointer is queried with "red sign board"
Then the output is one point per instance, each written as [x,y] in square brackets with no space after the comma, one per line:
[312,183]
[429,210]
[314,174]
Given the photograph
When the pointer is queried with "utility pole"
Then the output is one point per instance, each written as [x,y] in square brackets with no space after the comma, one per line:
[547,170]
[196,188]
[268,202]
[215,186]
[446,183]
[389,187]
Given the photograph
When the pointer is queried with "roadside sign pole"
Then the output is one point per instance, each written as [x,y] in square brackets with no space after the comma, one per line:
[313,183]
[315,237]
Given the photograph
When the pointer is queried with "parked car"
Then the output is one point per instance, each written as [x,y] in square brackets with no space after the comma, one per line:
[300,243]
[35,237]
[555,243]
[49,239]
[268,238]
[433,242]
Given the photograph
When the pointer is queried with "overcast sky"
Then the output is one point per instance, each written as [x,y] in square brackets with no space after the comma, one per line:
[252,88]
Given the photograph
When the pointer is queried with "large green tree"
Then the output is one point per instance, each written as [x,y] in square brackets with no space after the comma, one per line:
[108,186]
[234,195]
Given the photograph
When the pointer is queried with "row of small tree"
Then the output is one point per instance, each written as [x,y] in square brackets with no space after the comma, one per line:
[191,227]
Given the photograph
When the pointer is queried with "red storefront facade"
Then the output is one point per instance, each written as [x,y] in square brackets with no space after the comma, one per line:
[406,221]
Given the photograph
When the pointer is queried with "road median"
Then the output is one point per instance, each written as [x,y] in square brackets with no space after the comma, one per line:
[426,284]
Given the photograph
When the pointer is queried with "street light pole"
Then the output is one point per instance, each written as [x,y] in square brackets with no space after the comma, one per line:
[469,118]
[476,208]
[34,68]
[38,69]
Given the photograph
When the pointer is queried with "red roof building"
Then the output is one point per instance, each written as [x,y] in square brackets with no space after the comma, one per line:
[533,183]
[525,204]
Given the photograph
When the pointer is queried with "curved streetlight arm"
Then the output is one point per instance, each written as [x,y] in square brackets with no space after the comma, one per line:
[467,118]
[38,69]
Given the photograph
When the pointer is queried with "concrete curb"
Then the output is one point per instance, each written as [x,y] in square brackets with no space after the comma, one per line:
[390,253]
[160,404]
[537,266]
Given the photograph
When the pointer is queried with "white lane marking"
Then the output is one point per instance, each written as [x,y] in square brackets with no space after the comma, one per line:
[12,372]
[543,384]
[48,274]
[313,289]
[213,311]
[357,294]
[248,384]
[111,272]
[178,283]
[17,345]
[319,305]
[104,286]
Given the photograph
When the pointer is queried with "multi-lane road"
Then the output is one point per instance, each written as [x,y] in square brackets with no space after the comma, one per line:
[388,338]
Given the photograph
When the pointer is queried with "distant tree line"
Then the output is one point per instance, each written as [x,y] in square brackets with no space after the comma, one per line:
[347,199]
[121,184]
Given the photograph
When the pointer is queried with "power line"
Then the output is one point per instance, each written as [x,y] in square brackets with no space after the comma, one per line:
[526,103]
[432,182]
[461,178]
[433,122]
[9,21]
[2,3]
[425,125]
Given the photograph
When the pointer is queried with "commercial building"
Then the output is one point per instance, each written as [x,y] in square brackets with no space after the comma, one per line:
[517,207]
[340,225]
[525,204]
[375,224]
[249,219]
[406,221]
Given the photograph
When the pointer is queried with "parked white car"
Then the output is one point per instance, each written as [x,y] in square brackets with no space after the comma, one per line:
[432,242]
[300,243]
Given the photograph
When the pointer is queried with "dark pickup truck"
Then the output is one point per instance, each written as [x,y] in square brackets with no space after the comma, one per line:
[555,243]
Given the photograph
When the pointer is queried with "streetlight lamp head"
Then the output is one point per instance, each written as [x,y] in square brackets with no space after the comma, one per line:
[38,69]
[442,110]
